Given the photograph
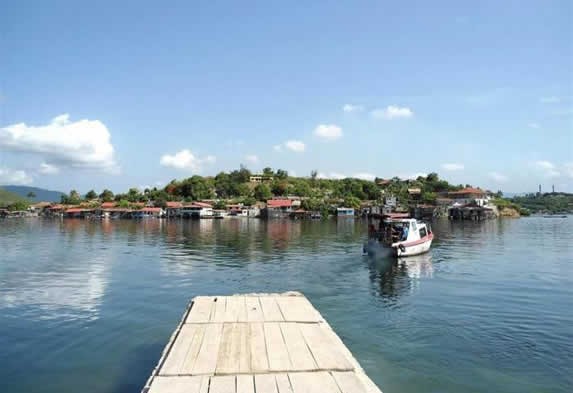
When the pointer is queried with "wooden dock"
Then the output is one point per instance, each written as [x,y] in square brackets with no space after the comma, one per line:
[256,343]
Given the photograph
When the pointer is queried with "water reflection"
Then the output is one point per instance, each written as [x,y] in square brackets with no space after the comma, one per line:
[393,278]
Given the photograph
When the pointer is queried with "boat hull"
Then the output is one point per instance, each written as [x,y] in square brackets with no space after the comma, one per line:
[375,248]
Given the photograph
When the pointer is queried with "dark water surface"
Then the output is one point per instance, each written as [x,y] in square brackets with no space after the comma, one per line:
[88,306]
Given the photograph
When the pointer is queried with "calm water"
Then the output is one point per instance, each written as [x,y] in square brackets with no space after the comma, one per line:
[88,306]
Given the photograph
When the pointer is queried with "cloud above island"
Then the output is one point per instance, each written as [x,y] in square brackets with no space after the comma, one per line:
[392,112]
[14,176]
[63,143]
[328,132]
[185,160]
[452,166]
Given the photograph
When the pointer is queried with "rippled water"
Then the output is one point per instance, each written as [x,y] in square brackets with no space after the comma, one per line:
[88,306]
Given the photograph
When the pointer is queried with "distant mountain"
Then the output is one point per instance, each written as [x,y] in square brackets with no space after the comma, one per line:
[42,195]
[7,197]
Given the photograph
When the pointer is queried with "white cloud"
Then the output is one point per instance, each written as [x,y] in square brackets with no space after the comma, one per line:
[331,175]
[547,168]
[568,169]
[158,183]
[13,176]
[337,176]
[81,144]
[497,177]
[296,146]
[185,160]
[452,166]
[364,176]
[534,125]
[544,165]
[253,159]
[48,169]
[550,100]
[352,108]
[413,176]
[278,148]
[328,131]
[392,112]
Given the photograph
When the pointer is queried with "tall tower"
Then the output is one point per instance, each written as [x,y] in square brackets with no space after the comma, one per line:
[540,189]
[553,188]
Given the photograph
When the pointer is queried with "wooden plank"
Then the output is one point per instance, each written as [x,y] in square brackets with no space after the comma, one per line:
[254,309]
[183,384]
[201,309]
[299,354]
[265,383]
[193,351]
[245,384]
[324,350]
[190,337]
[283,383]
[206,360]
[235,307]
[276,348]
[222,384]
[297,309]
[313,382]
[242,314]
[258,348]
[348,382]
[234,352]
[271,310]
[218,313]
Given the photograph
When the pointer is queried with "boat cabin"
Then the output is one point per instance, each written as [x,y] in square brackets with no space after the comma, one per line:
[394,230]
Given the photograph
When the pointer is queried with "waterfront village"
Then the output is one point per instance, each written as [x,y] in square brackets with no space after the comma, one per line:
[276,195]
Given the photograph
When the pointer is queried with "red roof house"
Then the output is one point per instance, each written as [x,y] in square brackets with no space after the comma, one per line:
[278,203]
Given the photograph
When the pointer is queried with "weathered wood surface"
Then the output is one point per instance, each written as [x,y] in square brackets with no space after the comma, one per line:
[257,343]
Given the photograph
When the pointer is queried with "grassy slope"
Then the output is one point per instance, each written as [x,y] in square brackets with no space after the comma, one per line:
[7,197]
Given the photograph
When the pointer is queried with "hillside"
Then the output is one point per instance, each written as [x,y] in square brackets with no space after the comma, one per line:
[7,197]
[552,203]
[42,194]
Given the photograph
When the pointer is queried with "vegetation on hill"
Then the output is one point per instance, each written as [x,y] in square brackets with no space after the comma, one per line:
[551,203]
[7,197]
[35,194]
[235,186]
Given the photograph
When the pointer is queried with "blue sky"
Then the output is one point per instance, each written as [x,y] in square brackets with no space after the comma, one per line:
[108,95]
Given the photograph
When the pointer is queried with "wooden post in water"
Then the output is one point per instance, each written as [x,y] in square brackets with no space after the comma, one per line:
[263,343]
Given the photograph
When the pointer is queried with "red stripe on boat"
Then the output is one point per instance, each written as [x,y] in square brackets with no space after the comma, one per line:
[422,240]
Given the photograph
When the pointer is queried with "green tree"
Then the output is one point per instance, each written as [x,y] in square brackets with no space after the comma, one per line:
[313,177]
[91,195]
[19,206]
[106,195]
[352,202]
[73,198]
[279,187]
[31,195]
[268,171]
[263,192]
[134,195]
[281,174]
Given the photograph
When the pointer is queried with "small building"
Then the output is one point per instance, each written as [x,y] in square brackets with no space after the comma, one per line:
[259,178]
[173,209]
[277,208]
[197,210]
[344,212]
[415,193]
[148,212]
[469,195]
[391,201]
[77,213]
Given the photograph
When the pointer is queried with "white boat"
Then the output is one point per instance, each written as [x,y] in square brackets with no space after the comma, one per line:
[400,237]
